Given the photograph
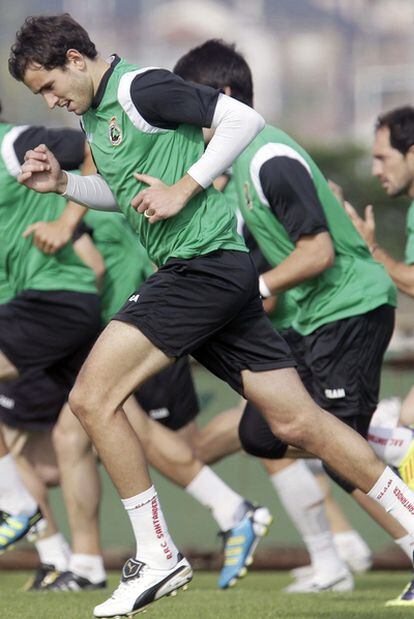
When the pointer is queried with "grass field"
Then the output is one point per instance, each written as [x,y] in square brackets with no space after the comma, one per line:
[258,596]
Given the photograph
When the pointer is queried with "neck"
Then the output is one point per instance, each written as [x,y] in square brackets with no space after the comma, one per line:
[97,69]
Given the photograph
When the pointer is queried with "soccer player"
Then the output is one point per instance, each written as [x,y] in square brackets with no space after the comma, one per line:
[204,298]
[45,328]
[345,300]
[170,397]
[393,165]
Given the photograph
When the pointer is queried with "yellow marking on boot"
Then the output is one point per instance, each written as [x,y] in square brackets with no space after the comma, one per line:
[237,539]
[231,552]
[230,562]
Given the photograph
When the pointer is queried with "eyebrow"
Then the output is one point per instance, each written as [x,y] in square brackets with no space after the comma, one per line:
[44,87]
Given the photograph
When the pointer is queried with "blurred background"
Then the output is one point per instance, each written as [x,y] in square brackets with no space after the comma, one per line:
[323,71]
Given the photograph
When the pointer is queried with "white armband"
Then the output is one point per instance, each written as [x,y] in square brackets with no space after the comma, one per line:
[264,289]
[235,127]
[91,191]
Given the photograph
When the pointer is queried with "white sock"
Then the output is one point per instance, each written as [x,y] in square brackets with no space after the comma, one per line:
[406,544]
[390,444]
[212,492]
[88,566]
[14,498]
[353,550]
[154,544]
[394,496]
[54,550]
[350,543]
[303,500]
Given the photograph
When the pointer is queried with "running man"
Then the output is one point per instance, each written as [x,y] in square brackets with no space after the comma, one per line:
[203,300]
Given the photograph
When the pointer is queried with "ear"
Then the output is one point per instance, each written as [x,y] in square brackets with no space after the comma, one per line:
[76,58]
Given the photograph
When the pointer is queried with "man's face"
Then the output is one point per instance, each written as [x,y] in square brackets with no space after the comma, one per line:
[394,170]
[67,87]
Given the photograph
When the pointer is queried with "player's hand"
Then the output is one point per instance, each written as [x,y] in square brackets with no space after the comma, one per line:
[159,201]
[42,172]
[49,236]
[365,227]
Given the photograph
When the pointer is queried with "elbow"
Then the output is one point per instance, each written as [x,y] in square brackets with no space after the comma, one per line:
[329,258]
[324,260]
[258,123]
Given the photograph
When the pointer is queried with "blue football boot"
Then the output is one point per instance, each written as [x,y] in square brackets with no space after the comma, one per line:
[240,543]
[14,528]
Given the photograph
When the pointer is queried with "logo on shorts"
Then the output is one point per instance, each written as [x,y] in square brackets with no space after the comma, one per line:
[134,297]
[159,413]
[6,402]
[335,394]
[115,132]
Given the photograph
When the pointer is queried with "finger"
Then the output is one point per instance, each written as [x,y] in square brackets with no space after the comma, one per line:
[146,178]
[23,177]
[137,201]
[369,215]
[29,230]
[35,154]
[35,166]
[350,210]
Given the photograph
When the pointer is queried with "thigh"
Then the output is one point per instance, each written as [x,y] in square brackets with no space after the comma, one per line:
[346,359]
[170,396]
[120,361]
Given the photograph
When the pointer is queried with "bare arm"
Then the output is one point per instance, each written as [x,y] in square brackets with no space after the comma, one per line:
[401,273]
[311,256]
[90,255]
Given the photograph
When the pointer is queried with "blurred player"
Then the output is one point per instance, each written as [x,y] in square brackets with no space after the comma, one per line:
[345,300]
[46,327]
[203,299]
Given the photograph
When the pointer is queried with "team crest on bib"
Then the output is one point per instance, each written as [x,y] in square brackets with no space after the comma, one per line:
[115,132]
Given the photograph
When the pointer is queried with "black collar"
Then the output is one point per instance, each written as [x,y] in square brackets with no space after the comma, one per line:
[102,84]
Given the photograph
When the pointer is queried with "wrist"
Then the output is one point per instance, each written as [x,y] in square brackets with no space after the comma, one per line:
[263,288]
[62,183]
[372,248]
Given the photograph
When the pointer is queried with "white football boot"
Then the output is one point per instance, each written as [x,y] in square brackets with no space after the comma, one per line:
[141,585]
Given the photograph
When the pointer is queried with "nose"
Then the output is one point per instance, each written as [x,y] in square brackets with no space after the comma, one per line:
[51,100]
[376,169]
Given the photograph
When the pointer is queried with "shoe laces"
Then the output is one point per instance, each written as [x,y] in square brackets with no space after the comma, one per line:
[123,587]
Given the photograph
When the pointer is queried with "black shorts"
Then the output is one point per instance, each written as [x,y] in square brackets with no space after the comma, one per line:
[209,307]
[31,402]
[340,363]
[50,332]
[169,397]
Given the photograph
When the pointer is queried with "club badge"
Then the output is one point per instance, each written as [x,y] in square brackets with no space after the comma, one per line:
[115,132]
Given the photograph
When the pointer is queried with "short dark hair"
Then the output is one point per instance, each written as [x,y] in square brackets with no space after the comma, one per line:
[400,122]
[216,63]
[44,40]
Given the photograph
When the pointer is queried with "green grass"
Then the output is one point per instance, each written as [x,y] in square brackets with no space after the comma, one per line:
[259,597]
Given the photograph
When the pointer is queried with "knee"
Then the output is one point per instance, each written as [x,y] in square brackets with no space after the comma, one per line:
[49,475]
[85,402]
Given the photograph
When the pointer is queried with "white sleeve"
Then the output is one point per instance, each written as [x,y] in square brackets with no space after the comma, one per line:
[91,191]
[236,125]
